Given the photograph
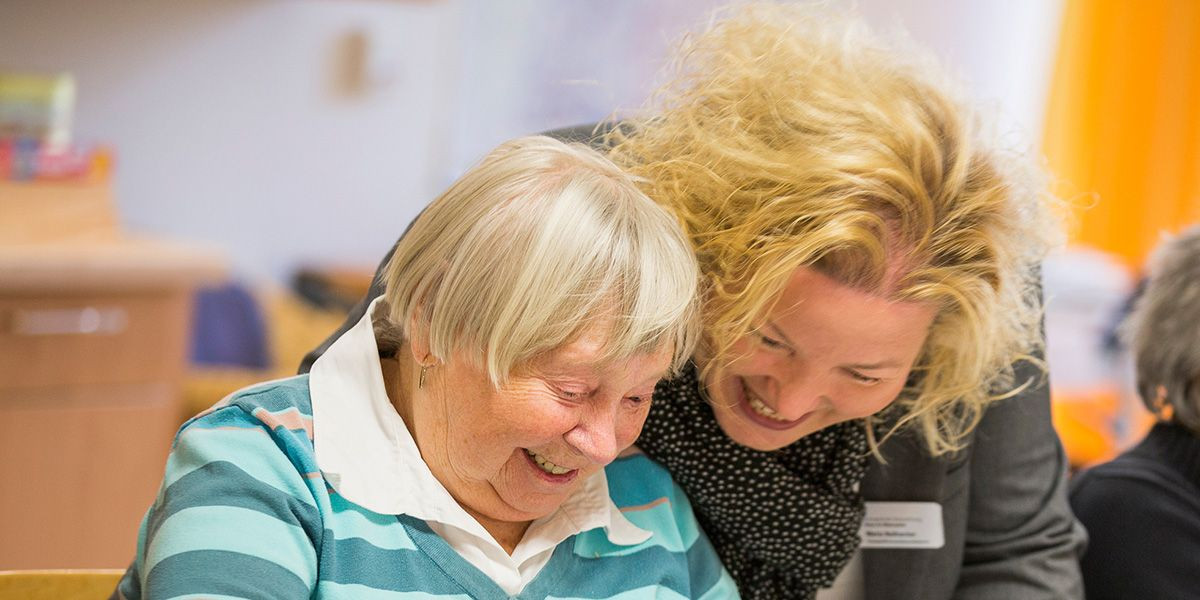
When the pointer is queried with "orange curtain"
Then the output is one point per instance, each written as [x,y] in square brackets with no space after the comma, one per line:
[1123,124]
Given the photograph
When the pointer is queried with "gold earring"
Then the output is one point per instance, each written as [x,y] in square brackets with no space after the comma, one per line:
[421,379]
[1162,408]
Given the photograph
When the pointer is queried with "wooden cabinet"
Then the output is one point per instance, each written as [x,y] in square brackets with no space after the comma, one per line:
[80,468]
[93,339]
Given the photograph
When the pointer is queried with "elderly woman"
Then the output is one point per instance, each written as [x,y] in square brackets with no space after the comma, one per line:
[454,441]
[1142,510]
[871,322]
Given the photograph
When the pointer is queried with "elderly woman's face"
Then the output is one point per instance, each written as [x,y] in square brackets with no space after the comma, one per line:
[515,454]
[827,353]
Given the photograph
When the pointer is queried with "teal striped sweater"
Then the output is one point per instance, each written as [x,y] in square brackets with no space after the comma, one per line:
[244,512]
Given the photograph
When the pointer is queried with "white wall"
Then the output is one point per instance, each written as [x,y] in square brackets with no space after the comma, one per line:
[1004,50]
[233,124]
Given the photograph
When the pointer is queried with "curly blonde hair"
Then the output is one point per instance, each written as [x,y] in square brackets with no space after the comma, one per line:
[792,137]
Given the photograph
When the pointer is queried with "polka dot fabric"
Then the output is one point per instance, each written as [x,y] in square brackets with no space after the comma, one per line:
[785,522]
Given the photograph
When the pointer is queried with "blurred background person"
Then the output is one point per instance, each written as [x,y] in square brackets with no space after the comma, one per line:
[1142,509]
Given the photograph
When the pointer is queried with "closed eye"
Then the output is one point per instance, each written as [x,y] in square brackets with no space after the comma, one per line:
[865,379]
[772,343]
[572,395]
[640,400]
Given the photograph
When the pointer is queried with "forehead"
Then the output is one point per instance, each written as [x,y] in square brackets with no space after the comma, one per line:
[814,306]
[588,354]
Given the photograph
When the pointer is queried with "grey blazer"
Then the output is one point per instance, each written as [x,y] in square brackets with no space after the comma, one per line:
[1009,532]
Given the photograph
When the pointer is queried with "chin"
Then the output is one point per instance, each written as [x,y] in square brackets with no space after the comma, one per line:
[533,509]
[751,436]
[508,514]
[764,445]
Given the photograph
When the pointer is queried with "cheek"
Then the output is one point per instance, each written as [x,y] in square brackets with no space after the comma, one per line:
[859,405]
[753,360]
[487,430]
[629,426]
[531,423]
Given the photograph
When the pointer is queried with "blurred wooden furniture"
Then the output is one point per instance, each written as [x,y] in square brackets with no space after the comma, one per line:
[89,584]
[294,326]
[93,339]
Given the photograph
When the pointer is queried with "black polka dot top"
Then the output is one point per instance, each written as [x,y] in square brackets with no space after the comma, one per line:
[784,522]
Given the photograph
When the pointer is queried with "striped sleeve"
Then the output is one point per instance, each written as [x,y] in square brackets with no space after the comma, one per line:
[234,518]
[709,578]
[650,499]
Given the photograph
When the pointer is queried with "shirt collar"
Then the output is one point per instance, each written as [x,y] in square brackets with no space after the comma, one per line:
[367,454]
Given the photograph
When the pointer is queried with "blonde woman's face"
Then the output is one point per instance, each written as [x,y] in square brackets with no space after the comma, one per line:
[827,353]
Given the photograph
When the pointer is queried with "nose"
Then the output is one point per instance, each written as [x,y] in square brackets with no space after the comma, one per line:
[595,434]
[798,393]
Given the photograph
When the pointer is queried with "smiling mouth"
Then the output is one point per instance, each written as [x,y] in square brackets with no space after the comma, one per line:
[763,414]
[545,465]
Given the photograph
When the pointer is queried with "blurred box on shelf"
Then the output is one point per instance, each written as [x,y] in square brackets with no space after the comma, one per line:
[37,106]
[56,212]
[27,159]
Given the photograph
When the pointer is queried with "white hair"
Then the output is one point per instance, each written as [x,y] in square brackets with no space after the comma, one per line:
[538,241]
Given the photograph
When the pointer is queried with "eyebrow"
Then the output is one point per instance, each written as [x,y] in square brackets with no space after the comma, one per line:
[884,364]
[588,376]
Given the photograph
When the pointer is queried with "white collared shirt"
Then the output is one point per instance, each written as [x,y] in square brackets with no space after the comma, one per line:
[367,454]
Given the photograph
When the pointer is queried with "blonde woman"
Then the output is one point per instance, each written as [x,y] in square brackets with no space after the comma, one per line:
[871,322]
[461,439]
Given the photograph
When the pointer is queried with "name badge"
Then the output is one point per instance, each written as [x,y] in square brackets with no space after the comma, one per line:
[902,525]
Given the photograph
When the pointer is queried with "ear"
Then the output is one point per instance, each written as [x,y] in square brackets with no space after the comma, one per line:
[418,340]
[1162,409]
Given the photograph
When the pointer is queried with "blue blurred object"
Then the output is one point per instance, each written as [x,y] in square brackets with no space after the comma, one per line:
[228,329]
